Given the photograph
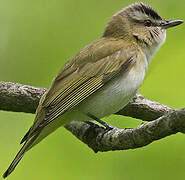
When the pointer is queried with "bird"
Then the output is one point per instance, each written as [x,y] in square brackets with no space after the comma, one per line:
[101,78]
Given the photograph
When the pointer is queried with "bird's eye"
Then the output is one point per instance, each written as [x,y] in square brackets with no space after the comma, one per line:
[148,23]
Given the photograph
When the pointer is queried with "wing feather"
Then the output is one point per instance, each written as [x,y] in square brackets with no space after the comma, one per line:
[73,99]
[70,90]
[83,91]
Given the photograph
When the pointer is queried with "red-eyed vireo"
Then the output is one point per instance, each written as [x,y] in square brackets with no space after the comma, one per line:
[103,77]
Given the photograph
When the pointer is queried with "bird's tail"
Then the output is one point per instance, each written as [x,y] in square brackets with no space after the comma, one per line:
[20,154]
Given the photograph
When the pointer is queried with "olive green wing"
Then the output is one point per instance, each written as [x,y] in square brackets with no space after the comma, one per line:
[77,81]
[89,62]
[86,85]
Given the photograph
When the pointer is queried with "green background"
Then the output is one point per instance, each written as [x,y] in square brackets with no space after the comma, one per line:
[36,38]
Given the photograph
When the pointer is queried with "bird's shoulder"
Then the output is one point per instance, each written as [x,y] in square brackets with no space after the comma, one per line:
[92,53]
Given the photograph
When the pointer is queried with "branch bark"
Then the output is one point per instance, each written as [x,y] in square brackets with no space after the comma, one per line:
[163,120]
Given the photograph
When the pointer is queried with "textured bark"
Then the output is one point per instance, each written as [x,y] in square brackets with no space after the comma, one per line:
[164,121]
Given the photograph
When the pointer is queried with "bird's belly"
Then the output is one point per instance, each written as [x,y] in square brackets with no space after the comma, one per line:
[114,95]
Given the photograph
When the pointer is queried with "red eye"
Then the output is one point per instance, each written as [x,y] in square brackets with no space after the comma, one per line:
[147,23]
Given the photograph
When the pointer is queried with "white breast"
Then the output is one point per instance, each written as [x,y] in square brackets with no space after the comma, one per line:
[116,94]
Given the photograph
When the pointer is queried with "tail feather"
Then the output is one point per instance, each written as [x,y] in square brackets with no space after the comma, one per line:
[26,136]
[19,155]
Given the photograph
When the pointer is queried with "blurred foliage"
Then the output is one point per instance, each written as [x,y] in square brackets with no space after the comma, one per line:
[36,38]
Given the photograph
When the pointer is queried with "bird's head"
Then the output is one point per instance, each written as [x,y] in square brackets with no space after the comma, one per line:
[140,23]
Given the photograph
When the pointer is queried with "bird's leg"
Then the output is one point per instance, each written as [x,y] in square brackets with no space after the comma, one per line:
[105,124]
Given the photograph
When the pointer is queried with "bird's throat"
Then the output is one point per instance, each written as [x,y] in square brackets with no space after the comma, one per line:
[150,51]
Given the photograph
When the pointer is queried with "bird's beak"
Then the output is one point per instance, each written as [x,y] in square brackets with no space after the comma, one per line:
[171,23]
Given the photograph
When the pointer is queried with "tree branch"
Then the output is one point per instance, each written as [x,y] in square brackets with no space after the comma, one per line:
[164,121]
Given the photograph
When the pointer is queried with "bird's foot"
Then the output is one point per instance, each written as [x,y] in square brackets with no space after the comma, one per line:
[107,127]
